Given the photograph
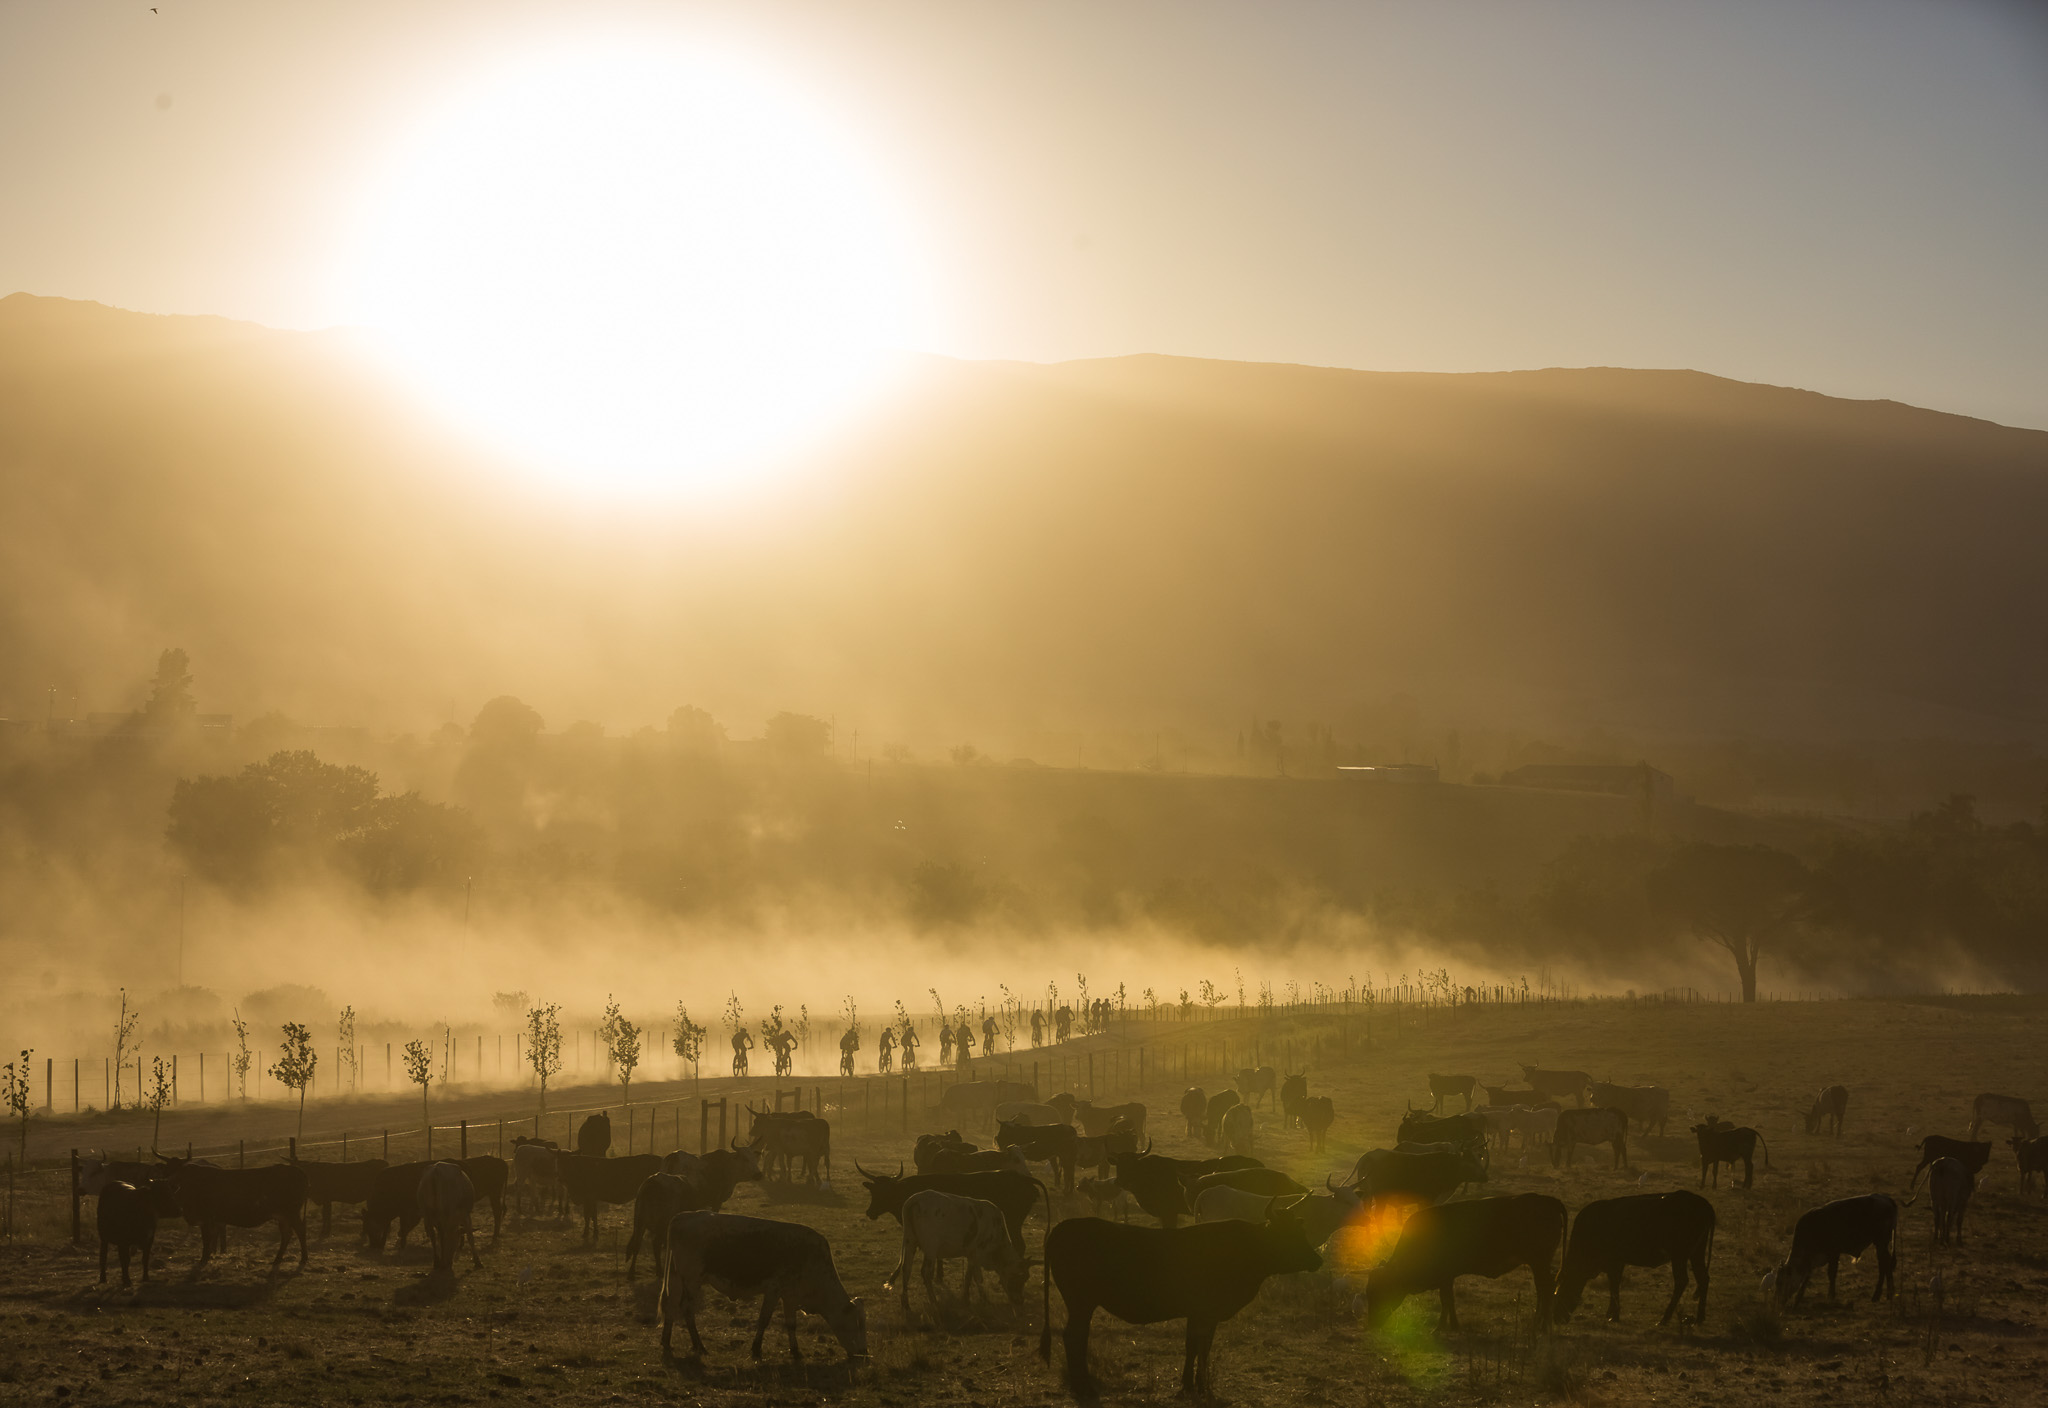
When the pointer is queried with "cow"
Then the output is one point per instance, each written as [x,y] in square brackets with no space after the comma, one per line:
[718,1173]
[1442,1086]
[1430,1177]
[394,1196]
[1647,1106]
[980,1161]
[588,1181]
[1505,1095]
[1828,1108]
[2033,1158]
[1318,1113]
[1239,1129]
[1421,1127]
[126,1219]
[1194,1108]
[1724,1144]
[1105,1194]
[1013,1193]
[743,1257]
[1025,1112]
[446,1198]
[96,1174]
[1064,1102]
[1598,1125]
[1099,1153]
[1055,1144]
[1536,1126]
[1847,1227]
[331,1183]
[1556,1085]
[1097,1120]
[1220,1104]
[1972,1155]
[942,1225]
[1270,1181]
[1321,1214]
[1950,1185]
[1645,1229]
[1293,1090]
[1222,1203]
[215,1199]
[594,1136]
[1156,1185]
[929,1146]
[1253,1082]
[1481,1237]
[2008,1110]
[790,1137]
[1204,1274]
[533,1173]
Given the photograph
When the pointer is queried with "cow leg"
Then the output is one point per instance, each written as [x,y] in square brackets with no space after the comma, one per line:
[298,1216]
[1614,1275]
[103,1262]
[1748,1170]
[1198,1338]
[790,1316]
[126,1251]
[1075,1336]
[768,1298]
[1699,1274]
[1545,1276]
[1834,1266]
[1447,1314]
[1677,1288]
[1887,1261]
[326,1220]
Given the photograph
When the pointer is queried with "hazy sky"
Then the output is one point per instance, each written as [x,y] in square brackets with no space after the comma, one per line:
[1848,196]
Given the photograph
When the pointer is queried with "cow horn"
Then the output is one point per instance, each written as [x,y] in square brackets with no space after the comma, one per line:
[1328,1186]
[863,1172]
[1148,1147]
[899,1168]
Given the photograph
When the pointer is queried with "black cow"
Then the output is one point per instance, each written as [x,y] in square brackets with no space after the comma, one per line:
[1647,1106]
[1480,1237]
[1142,1275]
[331,1183]
[1441,1086]
[745,1257]
[588,1180]
[1014,1193]
[2033,1158]
[1155,1182]
[1951,1186]
[1056,1144]
[1431,1176]
[394,1196]
[1293,1090]
[929,1146]
[594,1136]
[1598,1125]
[1972,1154]
[1847,1227]
[1555,1085]
[1723,1144]
[1646,1229]
[1267,1182]
[1220,1104]
[1421,1127]
[215,1199]
[1097,1120]
[126,1218]
[980,1161]
[1318,1113]
[1194,1108]
[1828,1108]
[719,1173]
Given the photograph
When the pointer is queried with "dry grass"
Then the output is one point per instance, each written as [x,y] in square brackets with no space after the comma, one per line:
[550,1319]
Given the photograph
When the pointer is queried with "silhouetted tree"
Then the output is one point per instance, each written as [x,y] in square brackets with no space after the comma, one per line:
[170,692]
[295,1065]
[798,737]
[1741,898]
[693,730]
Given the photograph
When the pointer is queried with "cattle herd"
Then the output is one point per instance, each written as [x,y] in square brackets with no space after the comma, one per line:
[1225,1221]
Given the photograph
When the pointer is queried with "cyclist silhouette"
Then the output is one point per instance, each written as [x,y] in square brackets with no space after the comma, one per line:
[1037,1027]
[988,1035]
[848,1044]
[783,1043]
[885,1048]
[909,1042]
[963,1044]
[945,1045]
[742,1042]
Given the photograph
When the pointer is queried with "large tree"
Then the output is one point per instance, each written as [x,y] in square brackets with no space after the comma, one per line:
[1743,898]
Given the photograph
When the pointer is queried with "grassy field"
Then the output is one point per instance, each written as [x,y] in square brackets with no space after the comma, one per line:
[552,1318]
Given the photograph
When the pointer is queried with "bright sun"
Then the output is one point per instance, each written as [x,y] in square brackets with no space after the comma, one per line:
[641,271]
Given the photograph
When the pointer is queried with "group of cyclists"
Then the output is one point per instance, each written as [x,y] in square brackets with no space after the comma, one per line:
[956,1042]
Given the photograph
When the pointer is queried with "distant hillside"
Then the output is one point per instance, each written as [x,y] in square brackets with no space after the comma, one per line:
[1141,554]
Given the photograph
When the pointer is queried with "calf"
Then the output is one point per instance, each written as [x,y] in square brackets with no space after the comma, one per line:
[1972,1155]
[1194,1108]
[1594,1126]
[1556,1085]
[1950,1185]
[1142,1275]
[1430,1177]
[1056,1144]
[1722,1144]
[744,1257]
[588,1181]
[126,1218]
[1646,1229]
[1848,1227]
[1483,1237]
[1442,1086]
[2007,1110]
[942,1225]
[1647,1106]
[1317,1114]
[331,1183]
[215,1199]
[2033,1157]
[446,1198]
[1828,1108]
[1238,1129]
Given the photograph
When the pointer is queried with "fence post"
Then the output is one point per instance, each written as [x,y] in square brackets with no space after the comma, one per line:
[906,1104]
[501,1136]
[241,1154]
[292,1153]
[75,1195]
[465,1139]
[387,1146]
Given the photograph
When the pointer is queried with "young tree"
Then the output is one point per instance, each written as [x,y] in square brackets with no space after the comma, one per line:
[14,1087]
[345,1039]
[689,1039]
[156,1097]
[295,1064]
[124,1039]
[419,1069]
[543,1046]
[622,1045]
[1740,898]
[242,1060]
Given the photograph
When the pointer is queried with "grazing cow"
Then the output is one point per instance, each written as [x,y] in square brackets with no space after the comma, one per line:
[588,1181]
[1828,1108]
[1220,1104]
[1269,1181]
[126,1218]
[1848,1227]
[1645,1229]
[1511,1094]
[718,1174]
[744,1257]
[942,1225]
[1430,1177]
[1014,1193]
[1253,1082]
[1723,1144]
[1647,1106]
[1097,1120]
[1483,1237]
[787,1138]
[1222,1203]
[930,1145]
[1318,1113]
[1556,1085]
[1972,1155]
[594,1136]
[2008,1110]
[394,1196]
[1194,1108]
[215,1199]
[533,1173]
[1442,1086]
[1024,1112]
[1293,1090]
[446,1198]
[1056,1144]
[1950,1185]
[1239,1129]
[1142,1275]
[2033,1157]
[1595,1126]
[331,1183]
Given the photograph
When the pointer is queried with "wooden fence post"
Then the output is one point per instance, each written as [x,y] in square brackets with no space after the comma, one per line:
[465,1139]
[75,1197]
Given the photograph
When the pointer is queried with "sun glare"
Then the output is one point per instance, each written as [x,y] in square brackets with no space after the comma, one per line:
[639,271]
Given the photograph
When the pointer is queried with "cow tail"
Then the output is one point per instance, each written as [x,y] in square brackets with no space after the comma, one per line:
[1767,1150]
